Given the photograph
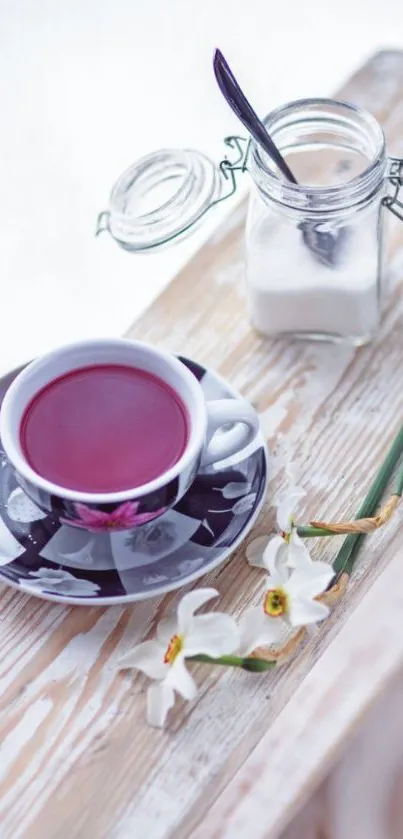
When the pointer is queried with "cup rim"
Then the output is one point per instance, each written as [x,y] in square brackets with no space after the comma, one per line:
[198,424]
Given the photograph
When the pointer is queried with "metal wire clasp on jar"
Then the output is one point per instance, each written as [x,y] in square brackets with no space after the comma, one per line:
[314,250]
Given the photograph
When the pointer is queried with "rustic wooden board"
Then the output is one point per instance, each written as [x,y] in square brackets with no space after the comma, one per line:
[292,756]
[362,794]
[76,757]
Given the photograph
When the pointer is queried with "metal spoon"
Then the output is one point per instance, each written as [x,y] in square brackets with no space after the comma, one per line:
[324,244]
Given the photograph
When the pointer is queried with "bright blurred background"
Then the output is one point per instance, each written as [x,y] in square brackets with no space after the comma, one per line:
[88,86]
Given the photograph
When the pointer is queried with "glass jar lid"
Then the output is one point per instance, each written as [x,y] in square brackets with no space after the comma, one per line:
[160,197]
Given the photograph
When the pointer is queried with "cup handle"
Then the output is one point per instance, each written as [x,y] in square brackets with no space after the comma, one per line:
[220,413]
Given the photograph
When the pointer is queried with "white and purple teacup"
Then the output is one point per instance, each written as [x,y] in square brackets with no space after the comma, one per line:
[165,431]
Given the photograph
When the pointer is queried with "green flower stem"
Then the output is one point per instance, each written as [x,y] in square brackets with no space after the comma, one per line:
[347,554]
[307,532]
[398,490]
[253,665]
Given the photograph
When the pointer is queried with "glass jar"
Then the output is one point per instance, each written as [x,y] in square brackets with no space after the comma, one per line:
[314,252]
[314,260]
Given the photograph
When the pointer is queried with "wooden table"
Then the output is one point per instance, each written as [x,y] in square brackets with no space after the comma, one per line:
[77,760]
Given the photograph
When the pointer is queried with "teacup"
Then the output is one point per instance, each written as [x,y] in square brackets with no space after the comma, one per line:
[235,420]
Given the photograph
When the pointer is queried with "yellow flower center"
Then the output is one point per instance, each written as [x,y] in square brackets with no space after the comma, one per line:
[173,649]
[275,602]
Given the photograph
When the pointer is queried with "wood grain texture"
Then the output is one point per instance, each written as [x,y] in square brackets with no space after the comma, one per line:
[360,664]
[77,760]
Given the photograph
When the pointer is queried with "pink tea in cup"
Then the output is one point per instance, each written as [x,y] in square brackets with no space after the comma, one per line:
[104,428]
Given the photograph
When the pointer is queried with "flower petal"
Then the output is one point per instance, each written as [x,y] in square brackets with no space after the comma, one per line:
[20,508]
[255,550]
[188,605]
[160,699]
[271,559]
[298,553]
[310,579]
[147,657]
[303,612]
[280,574]
[92,518]
[53,575]
[258,630]
[244,504]
[166,628]
[214,634]
[235,489]
[179,678]
[125,511]
[287,507]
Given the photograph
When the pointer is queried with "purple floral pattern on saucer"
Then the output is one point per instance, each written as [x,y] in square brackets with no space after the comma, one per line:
[41,555]
[121,518]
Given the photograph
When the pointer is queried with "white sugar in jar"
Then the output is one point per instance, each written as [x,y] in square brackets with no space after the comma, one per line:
[314,250]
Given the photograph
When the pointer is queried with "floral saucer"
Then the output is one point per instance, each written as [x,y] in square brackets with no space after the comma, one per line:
[42,557]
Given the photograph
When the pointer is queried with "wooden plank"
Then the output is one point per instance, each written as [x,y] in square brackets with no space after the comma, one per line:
[362,794]
[360,664]
[77,758]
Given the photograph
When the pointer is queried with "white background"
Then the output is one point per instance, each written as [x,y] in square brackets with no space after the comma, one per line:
[88,86]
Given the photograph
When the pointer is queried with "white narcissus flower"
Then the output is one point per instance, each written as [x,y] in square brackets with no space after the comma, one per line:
[163,658]
[287,547]
[290,600]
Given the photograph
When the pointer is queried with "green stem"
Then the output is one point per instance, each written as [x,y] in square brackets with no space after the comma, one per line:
[253,665]
[307,532]
[398,490]
[347,554]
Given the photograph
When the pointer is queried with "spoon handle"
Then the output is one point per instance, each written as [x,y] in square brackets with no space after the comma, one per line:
[243,109]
